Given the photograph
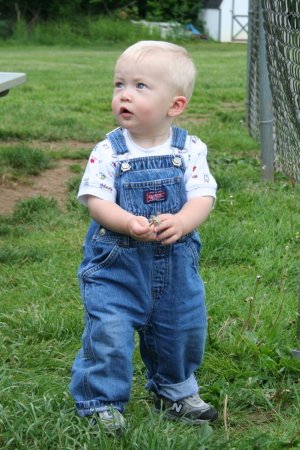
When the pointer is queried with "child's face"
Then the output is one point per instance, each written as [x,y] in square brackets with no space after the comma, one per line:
[142,96]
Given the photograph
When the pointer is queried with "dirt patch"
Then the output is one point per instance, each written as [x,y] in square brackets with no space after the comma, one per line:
[185,120]
[52,145]
[51,183]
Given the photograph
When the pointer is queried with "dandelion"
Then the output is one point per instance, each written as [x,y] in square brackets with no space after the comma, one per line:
[251,300]
[208,330]
[259,312]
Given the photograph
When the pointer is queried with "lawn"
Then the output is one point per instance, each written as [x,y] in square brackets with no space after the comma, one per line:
[249,263]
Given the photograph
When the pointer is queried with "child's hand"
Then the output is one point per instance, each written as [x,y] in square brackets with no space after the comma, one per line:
[138,228]
[170,229]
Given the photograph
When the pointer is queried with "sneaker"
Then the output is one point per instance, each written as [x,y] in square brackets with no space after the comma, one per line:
[111,420]
[191,410]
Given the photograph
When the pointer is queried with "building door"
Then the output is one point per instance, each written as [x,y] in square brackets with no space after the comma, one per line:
[239,29]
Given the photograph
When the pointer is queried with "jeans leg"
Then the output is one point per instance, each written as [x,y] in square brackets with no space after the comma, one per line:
[175,339]
[102,370]
[117,301]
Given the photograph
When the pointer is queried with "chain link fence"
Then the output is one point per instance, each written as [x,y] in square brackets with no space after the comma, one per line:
[253,70]
[282,33]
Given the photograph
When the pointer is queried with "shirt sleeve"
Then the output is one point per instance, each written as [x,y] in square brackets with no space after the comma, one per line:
[198,179]
[99,176]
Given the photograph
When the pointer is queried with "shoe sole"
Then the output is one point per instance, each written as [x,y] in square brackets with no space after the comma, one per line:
[108,430]
[183,419]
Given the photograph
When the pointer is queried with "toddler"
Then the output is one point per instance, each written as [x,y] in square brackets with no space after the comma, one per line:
[148,188]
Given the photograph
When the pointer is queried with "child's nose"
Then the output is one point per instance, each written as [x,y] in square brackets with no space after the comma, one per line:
[126,95]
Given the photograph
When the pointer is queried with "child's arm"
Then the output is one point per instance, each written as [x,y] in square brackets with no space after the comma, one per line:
[115,218]
[190,217]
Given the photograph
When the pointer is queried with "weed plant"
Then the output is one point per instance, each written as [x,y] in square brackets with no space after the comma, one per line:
[249,264]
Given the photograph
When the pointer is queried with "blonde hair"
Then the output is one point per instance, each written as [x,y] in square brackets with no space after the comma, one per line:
[182,71]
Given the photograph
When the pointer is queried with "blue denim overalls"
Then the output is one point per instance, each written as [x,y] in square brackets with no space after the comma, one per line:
[129,285]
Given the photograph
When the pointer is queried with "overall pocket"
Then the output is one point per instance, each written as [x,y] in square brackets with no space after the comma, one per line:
[153,197]
[194,245]
[105,254]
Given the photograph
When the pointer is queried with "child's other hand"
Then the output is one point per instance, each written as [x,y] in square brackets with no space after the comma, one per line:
[138,228]
[170,229]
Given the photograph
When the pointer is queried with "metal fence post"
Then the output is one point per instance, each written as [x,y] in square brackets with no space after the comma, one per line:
[266,110]
[249,49]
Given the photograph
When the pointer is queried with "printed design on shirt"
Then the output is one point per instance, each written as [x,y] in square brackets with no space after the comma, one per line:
[105,187]
[155,196]
[93,159]
[206,177]
[85,181]
[195,139]
[100,175]
[195,175]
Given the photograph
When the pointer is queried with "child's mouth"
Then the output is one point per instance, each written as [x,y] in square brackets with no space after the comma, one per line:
[125,113]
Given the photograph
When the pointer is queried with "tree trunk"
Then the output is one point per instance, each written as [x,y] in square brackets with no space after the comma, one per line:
[18,11]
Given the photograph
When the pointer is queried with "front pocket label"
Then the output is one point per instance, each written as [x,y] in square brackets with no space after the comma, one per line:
[156,196]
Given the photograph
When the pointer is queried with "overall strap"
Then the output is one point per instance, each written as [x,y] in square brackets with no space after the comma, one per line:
[117,141]
[178,137]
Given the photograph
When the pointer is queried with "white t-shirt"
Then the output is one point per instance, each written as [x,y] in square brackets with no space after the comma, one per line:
[99,177]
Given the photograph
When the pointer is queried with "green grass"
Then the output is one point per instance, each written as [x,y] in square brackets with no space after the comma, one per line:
[82,31]
[67,99]
[20,161]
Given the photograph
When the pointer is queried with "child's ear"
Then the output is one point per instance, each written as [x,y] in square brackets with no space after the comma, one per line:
[178,106]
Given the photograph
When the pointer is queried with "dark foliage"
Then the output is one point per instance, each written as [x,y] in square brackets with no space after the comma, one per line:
[36,10]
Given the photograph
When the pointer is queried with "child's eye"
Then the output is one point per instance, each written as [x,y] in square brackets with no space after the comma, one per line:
[141,86]
[119,85]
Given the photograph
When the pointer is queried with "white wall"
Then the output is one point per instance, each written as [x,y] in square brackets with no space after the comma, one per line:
[226,20]
[210,19]
[219,23]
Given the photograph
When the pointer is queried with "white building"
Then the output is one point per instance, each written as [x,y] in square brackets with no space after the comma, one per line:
[225,20]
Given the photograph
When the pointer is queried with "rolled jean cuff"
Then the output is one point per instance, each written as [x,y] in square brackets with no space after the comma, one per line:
[85,409]
[173,392]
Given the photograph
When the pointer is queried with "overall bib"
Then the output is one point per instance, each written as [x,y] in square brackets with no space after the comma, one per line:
[129,286]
